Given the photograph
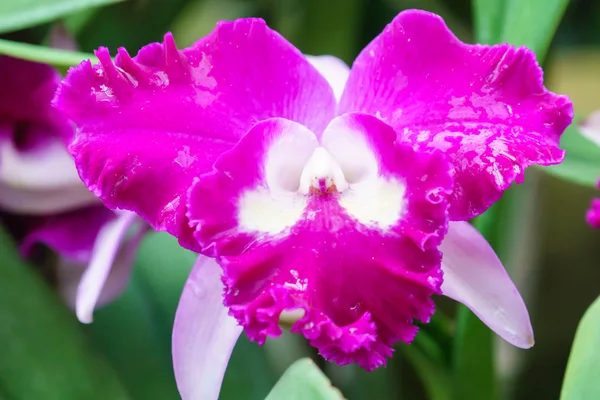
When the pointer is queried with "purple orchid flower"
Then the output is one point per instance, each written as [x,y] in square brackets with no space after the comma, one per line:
[40,189]
[340,193]
[590,129]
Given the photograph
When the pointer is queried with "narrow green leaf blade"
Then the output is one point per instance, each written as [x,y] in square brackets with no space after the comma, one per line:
[488,19]
[582,159]
[474,374]
[304,380]
[45,354]
[164,267]
[19,14]
[434,375]
[249,375]
[581,378]
[532,23]
[46,55]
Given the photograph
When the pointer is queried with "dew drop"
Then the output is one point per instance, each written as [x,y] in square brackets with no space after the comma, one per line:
[198,289]
[433,196]
[432,281]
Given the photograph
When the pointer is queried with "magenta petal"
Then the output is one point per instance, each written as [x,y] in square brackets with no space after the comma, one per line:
[474,276]
[72,234]
[95,278]
[204,335]
[41,180]
[593,214]
[483,106]
[358,252]
[150,124]
[26,91]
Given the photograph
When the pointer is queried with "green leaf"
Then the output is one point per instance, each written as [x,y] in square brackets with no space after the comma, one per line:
[131,24]
[582,159]
[45,354]
[474,373]
[530,23]
[487,18]
[382,383]
[249,375]
[58,58]
[128,332]
[19,14]
[304,380]
[433,375]
[581,378]
[164,267]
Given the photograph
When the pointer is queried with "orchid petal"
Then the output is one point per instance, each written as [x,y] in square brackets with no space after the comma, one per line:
[96,275]
[592,215]
[485,107]
[150,124]
[70,273]
[334,70]
[27,89]
[40,181]
[474,276]
[204,335]
[71,235]
[347,234]
[590,127]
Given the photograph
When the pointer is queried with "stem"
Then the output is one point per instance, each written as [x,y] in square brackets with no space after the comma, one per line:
[45,55]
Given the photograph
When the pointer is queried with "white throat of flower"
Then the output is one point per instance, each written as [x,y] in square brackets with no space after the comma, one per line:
[322,174]
[298,167]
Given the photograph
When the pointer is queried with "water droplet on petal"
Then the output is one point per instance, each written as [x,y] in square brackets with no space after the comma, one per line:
[197,288]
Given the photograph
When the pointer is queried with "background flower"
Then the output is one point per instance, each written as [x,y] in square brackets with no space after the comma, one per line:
[40,188]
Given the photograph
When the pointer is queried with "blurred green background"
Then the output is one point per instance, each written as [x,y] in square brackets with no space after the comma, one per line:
[550,252]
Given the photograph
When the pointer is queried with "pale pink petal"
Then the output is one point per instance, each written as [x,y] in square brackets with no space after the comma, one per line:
[474,276]
[61,38]
[40,181]
[149,124]
[334,70]
[204,335]
[590,127]
[485,107]
[95,279]
[120,272]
